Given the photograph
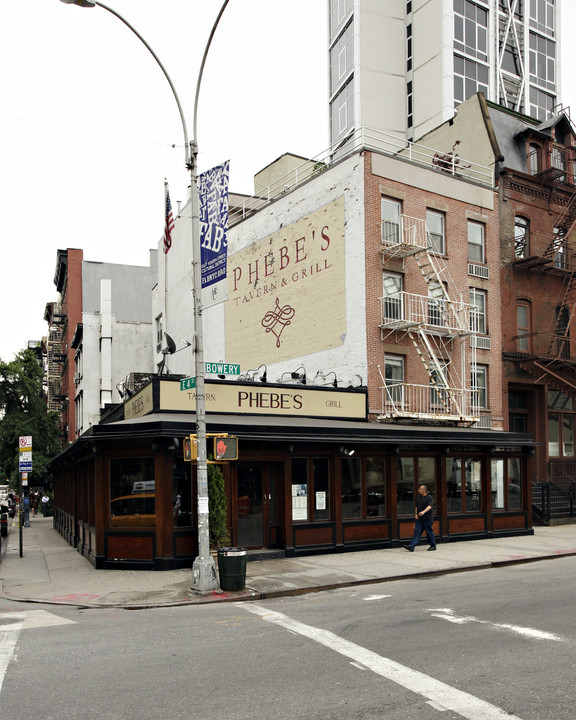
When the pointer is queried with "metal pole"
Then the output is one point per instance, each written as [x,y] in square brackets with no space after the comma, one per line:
[203,569]
[204,578]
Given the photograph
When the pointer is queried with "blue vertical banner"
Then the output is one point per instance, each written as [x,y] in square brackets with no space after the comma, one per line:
[213,197]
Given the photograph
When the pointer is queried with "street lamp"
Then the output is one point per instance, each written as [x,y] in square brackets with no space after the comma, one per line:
[203,569]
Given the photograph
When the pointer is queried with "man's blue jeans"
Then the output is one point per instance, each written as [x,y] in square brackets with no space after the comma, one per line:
[423,524]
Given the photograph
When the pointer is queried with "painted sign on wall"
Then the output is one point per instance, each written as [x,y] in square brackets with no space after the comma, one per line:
[287,291]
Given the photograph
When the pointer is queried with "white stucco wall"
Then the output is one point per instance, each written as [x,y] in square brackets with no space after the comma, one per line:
[300,212]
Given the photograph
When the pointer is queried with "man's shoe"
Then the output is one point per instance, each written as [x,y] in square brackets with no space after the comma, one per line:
[431,548]
[409,547]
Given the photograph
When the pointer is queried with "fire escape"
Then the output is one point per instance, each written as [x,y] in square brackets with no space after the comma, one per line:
[440,327]
[550,355]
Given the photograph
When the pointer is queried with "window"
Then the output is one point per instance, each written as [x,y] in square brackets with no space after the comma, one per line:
[541,103]
[391,211]
[79,413]
[518,411]
[542,15]
[409,104]
[181,493]
[435,228]
[521,236]
[339,9]
[310,489]
[159,327]
[439,394]
[409,47]
[506,484]
[476,252]
[542,61]
[471,29]
[523,327]
[363,487]
[463,485]
[470,77]
[534,161]
[392,301]
[437,304]
[561,424]
[342,57]
[342,111]
[478,312]
[479,384]
[394,378]
[132,493]
[410,474]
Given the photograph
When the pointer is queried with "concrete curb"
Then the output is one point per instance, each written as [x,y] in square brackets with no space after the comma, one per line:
[249,595]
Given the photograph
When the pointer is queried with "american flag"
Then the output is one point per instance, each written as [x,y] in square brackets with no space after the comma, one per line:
[169,224]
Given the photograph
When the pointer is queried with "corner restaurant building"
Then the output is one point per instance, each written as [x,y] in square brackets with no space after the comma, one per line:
[313,475]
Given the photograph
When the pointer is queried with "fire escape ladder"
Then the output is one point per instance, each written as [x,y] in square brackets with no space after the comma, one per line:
[563,225]
[436,371]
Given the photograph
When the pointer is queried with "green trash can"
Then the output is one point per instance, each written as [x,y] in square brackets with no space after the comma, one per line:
[232,568]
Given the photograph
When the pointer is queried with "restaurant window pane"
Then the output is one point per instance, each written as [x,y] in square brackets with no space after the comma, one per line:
[498,493]
[514,484]
[473,485]
[299,489]
[351,487]
[375,487]
[405,500]
[321,489]
[132,493]
[454,484]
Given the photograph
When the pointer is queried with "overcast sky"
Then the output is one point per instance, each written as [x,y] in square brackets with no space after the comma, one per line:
[88,123]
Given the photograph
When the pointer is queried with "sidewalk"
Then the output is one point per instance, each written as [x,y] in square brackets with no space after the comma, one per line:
[51,571]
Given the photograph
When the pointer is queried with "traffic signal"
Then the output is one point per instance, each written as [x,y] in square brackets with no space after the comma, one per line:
[226,448]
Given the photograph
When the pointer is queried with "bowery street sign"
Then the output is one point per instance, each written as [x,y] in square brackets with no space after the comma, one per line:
[222,369]
[188,383]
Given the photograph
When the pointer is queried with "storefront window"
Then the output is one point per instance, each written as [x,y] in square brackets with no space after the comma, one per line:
[310,489]
[463,485]
[561,425]
[321,489]
[181,495]
[410,474]
[376,487]
[506,484]
[132,493]
[299,489]
[351,487]
[405,497]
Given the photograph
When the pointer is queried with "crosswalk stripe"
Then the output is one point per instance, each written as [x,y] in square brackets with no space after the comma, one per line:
[466,705]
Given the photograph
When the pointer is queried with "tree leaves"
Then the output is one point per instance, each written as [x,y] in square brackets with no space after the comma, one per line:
[23,411]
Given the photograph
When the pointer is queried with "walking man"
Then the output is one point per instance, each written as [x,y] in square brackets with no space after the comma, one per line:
[424,515]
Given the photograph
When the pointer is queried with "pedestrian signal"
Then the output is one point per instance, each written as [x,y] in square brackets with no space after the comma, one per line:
[190,449]
[226,448]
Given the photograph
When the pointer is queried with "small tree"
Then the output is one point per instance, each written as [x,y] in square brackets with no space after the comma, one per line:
[23,411]
[217,508]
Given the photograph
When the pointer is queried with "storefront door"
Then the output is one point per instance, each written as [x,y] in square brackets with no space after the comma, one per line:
[260,520]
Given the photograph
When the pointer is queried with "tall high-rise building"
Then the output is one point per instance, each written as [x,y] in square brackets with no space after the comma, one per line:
[402,67]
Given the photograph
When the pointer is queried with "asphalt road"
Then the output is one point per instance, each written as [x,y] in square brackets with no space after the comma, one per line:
[486,645]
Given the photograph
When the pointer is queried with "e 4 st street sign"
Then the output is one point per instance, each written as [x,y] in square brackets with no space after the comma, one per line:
[188,383]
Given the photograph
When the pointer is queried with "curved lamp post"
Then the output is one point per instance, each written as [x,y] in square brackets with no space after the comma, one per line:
[203,569]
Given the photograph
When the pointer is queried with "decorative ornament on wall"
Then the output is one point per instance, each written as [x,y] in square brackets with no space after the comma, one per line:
[275,321]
